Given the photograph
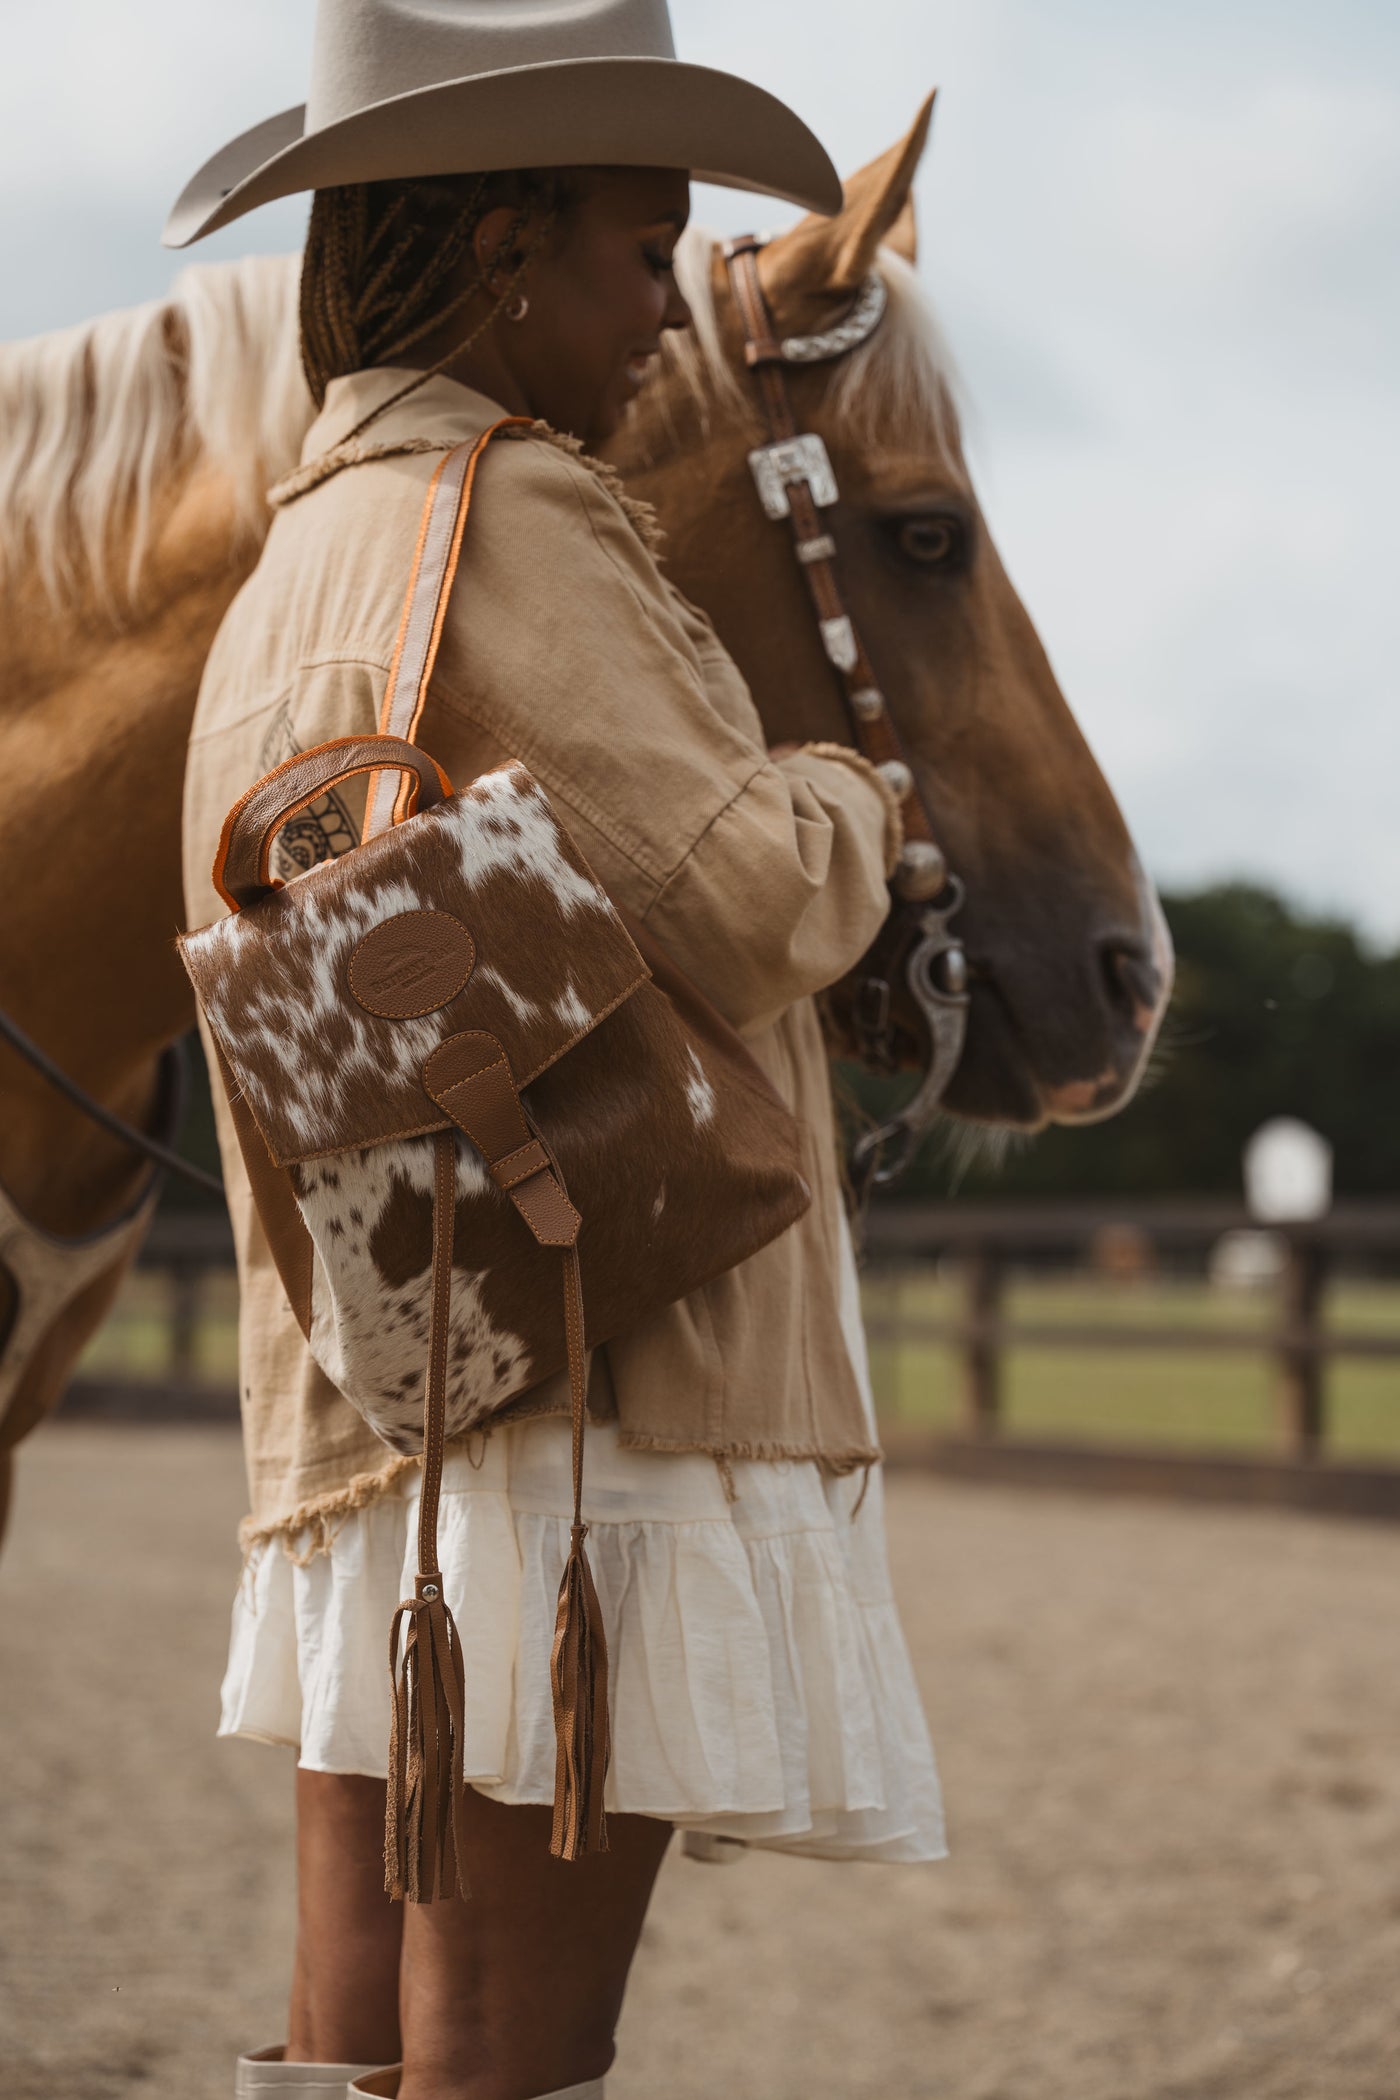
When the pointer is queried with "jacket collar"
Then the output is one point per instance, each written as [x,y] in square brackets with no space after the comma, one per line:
[436,416]
[440,408]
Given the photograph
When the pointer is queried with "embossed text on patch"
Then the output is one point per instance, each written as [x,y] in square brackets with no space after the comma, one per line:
[411,964]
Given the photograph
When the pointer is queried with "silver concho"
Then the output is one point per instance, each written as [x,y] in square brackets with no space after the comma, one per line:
[839,642]
[921,873]
[776,467]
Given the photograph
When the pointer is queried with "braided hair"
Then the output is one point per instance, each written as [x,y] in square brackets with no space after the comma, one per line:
[381,267]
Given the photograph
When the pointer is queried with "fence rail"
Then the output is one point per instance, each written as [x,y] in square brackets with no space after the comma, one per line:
[188,1248]
[987,1239]
[988,1242]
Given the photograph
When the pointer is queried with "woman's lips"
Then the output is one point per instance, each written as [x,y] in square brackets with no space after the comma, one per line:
[636,369]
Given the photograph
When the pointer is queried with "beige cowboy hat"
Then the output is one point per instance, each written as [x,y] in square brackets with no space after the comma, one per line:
[450,87]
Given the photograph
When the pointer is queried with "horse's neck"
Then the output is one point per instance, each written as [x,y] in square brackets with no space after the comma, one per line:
[96,727]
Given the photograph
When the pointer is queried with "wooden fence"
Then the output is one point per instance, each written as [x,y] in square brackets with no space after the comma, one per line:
[188,1248]
[987,1240]
[987,1243]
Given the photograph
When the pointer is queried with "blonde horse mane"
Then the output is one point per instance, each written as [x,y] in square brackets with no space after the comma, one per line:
[902,380]
[97,422]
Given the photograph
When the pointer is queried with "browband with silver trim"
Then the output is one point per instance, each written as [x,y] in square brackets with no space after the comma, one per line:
[857,327]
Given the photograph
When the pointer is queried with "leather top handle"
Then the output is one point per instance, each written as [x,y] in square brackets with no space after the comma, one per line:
[241,864]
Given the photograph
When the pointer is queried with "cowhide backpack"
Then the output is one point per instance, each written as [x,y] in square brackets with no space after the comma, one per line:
[454,1076]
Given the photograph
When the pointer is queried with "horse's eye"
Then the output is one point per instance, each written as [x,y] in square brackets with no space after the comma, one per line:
[933,542]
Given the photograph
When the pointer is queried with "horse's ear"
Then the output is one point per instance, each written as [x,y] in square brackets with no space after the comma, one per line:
[879,208]
[903,236]
[838,254]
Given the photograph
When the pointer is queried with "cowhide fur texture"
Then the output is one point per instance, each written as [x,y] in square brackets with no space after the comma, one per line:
[672,1145]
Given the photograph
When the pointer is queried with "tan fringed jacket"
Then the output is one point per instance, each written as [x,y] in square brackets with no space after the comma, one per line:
[565,646]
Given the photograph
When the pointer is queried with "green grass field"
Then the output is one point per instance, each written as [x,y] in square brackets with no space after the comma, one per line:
[1200,1398]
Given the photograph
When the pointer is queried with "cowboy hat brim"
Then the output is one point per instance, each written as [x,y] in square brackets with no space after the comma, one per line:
[585,112]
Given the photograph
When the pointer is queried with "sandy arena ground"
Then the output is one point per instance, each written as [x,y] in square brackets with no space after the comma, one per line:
[1171,1746]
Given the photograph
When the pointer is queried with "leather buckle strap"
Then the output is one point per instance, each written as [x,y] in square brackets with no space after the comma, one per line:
[794,478]
[469,1076]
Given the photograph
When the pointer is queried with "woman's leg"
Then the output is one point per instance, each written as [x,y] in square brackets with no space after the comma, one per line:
[345,1986]
[517,1991]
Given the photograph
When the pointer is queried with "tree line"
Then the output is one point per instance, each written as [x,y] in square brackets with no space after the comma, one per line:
[1274,1013]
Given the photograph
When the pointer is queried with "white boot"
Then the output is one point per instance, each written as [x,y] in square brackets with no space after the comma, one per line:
[384,2085]
[266,2076]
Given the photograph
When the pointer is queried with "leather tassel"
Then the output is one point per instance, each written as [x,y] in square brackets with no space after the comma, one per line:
[427,1681]
[579,1676]
[426,1784]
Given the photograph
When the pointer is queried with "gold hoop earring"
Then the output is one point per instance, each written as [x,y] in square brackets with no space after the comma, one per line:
[516,309]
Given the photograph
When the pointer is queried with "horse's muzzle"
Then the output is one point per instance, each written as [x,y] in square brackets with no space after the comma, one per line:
[1067,1045]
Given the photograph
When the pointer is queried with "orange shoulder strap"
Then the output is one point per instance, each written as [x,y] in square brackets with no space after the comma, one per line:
[425,608]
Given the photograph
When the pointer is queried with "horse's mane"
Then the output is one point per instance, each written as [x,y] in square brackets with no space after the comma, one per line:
[97,421]
[900,381]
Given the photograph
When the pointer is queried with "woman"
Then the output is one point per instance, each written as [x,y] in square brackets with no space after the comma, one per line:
[761,1692]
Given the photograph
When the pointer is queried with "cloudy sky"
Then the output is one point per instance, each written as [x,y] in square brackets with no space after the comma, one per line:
[1164,240]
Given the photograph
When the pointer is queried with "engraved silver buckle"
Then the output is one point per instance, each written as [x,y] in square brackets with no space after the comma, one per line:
[804,458]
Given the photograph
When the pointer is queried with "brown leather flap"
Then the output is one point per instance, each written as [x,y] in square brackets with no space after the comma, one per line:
[329,995]
[470,1077]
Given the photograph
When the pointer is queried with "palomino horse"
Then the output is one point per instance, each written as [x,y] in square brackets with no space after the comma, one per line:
[133,458]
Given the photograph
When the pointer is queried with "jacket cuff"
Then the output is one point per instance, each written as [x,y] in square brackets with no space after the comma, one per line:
[847,755]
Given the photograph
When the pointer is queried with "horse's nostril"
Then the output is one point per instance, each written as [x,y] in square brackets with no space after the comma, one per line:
[1131,980]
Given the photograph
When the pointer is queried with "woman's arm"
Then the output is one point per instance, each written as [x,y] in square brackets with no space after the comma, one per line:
[786,890]
[763,877]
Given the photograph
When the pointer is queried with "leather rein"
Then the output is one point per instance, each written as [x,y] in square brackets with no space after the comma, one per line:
[159,1149]
[795,480]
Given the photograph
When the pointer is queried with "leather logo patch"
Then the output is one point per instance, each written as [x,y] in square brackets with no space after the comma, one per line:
[411,964]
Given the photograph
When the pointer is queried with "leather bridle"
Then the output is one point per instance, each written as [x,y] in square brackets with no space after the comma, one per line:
[795,480]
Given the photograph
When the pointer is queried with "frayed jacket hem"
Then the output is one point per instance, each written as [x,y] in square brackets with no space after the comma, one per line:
[311,1528]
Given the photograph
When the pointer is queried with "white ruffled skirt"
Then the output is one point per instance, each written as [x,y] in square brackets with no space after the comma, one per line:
[760,1687]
